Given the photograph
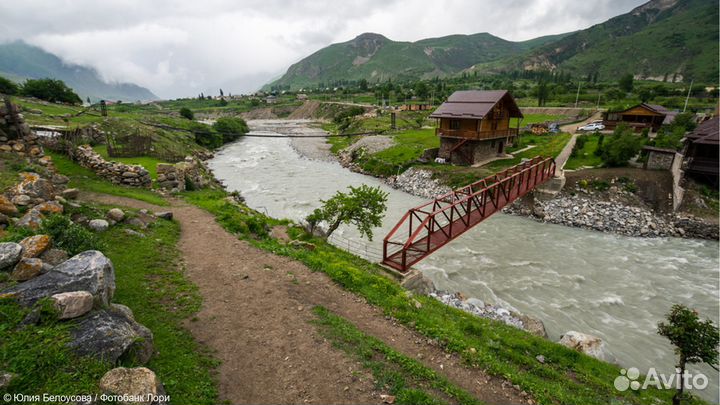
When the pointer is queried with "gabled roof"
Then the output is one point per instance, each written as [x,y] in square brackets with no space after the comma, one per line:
[475,104]
[707,133]
[656,108]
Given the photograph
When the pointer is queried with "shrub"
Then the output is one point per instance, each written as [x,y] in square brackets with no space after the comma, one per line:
[8,87]
[579,144]
[230,128]
[621,147]
[50,90]
[187,113]
[70,236]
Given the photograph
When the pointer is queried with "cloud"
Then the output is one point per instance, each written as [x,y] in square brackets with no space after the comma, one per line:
[184,47]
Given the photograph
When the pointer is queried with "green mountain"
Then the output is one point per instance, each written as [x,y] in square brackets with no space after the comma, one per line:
[20,61]
[657,40]
[661,39]
[376,58]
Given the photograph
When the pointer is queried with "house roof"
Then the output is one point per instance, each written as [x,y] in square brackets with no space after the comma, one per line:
[475,104]
[656,108]
[707,133]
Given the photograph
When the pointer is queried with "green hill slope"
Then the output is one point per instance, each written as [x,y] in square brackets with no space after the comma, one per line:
[19,61]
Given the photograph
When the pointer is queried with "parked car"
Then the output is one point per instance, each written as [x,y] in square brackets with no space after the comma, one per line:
[593,126]
[554,128]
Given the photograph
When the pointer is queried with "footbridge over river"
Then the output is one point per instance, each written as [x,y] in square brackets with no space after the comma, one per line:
[428,227]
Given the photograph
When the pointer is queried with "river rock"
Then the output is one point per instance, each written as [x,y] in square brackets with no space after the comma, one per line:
[10,253]
[139,382]
[53,257]
[26,269]
[108,335]
[31,220]
[7,207]
[584,343]
[72,304]
[88,271]
[70,193]
[34,246]
[532,325]
[116,214]
[98,225]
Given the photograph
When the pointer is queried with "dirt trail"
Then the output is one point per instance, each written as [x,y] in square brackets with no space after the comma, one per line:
[255,316]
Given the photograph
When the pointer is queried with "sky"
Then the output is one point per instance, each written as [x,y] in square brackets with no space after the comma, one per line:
[184,47]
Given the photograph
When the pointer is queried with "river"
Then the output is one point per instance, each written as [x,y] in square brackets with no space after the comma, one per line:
[611,286]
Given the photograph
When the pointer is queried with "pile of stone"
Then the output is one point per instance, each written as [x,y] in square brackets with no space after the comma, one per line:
[117,173]
[37,196]
[17,138]
[488,311]
[418,182]
[12,123]
[584,211]
[177,177]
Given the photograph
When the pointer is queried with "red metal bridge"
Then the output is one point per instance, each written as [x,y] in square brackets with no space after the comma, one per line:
[425,229]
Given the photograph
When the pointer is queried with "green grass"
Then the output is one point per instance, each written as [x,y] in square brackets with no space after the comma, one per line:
[407,379]
[150,282]
[148,162]
[87,180]
[586,155]
[409,146]
[536,119]
[566,377]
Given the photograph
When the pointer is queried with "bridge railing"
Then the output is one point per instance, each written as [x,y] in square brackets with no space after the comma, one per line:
[433,224]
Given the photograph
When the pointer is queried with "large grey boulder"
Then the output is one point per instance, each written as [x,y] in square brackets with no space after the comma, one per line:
[98,225]
[10,253]
[88,271]
[109,334]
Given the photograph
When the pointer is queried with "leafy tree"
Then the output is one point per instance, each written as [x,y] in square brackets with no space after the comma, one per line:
[230,128]
[254,102]
[187,113]
[363,85]
[422,91]
[8,87]
[221,93]
[362,207]
[621,146]
[542,93]
[695,341]
[50,90]
[88,100]
[222,102]
[626,83]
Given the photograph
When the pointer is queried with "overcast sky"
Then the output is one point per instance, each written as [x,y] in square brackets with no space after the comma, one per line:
[182,47]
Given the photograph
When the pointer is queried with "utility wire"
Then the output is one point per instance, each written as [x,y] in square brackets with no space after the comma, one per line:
[172,128]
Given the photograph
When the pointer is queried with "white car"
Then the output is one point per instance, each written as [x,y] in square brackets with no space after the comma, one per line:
[593,126]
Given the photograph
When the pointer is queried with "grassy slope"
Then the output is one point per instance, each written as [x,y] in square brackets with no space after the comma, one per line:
[566,377]
[87,180]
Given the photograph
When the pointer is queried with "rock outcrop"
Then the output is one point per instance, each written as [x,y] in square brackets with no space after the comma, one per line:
[584,343]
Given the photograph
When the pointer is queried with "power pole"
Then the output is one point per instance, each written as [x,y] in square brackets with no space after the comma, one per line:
[577,96]
[688,96]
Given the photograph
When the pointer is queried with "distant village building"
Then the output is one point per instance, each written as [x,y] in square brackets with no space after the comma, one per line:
[474,125]
[416,107]
[271,99]
[639,117]
[701,151]
[302,97]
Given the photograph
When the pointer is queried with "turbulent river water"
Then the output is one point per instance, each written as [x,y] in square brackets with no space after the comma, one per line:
[614,287]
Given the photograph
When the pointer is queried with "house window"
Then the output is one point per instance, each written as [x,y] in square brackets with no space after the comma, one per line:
[454,124]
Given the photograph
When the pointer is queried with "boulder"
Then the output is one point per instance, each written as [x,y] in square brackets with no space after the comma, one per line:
[34,246]
[116,214]
[54,257]
[35,187]
[59,179]
[418,283]
[70,193]
[50,207]
[532,325]
[10,253]
[26,269]
[32,220]
[72,304]
[109,334]
[137,382]
[7,207]
[4,219]
[98,225]
[584,343]
[88,271]
[164,215]
[21,200]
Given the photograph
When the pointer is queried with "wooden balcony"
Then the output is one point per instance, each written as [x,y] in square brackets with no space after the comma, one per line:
[476,135]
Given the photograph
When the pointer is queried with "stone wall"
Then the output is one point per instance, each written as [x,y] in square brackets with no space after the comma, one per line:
[478,151]
[677,174]
[659,160]
[190,173]
[117,173]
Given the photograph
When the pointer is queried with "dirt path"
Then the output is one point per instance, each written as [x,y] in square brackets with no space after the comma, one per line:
[255,316]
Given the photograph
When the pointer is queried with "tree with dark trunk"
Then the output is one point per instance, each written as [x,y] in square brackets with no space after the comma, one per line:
[363,207]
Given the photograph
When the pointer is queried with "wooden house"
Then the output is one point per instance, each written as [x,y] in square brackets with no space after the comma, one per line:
[474,126]
[701,151]
[638,117]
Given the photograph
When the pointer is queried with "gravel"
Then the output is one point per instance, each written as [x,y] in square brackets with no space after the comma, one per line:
[479,308]
[418,182]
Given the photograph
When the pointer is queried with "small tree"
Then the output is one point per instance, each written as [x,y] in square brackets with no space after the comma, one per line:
[626,83]
[623,145]
[231,128]
[363,207]
[8,87]
[50,90]
[695,341]
[187,113]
